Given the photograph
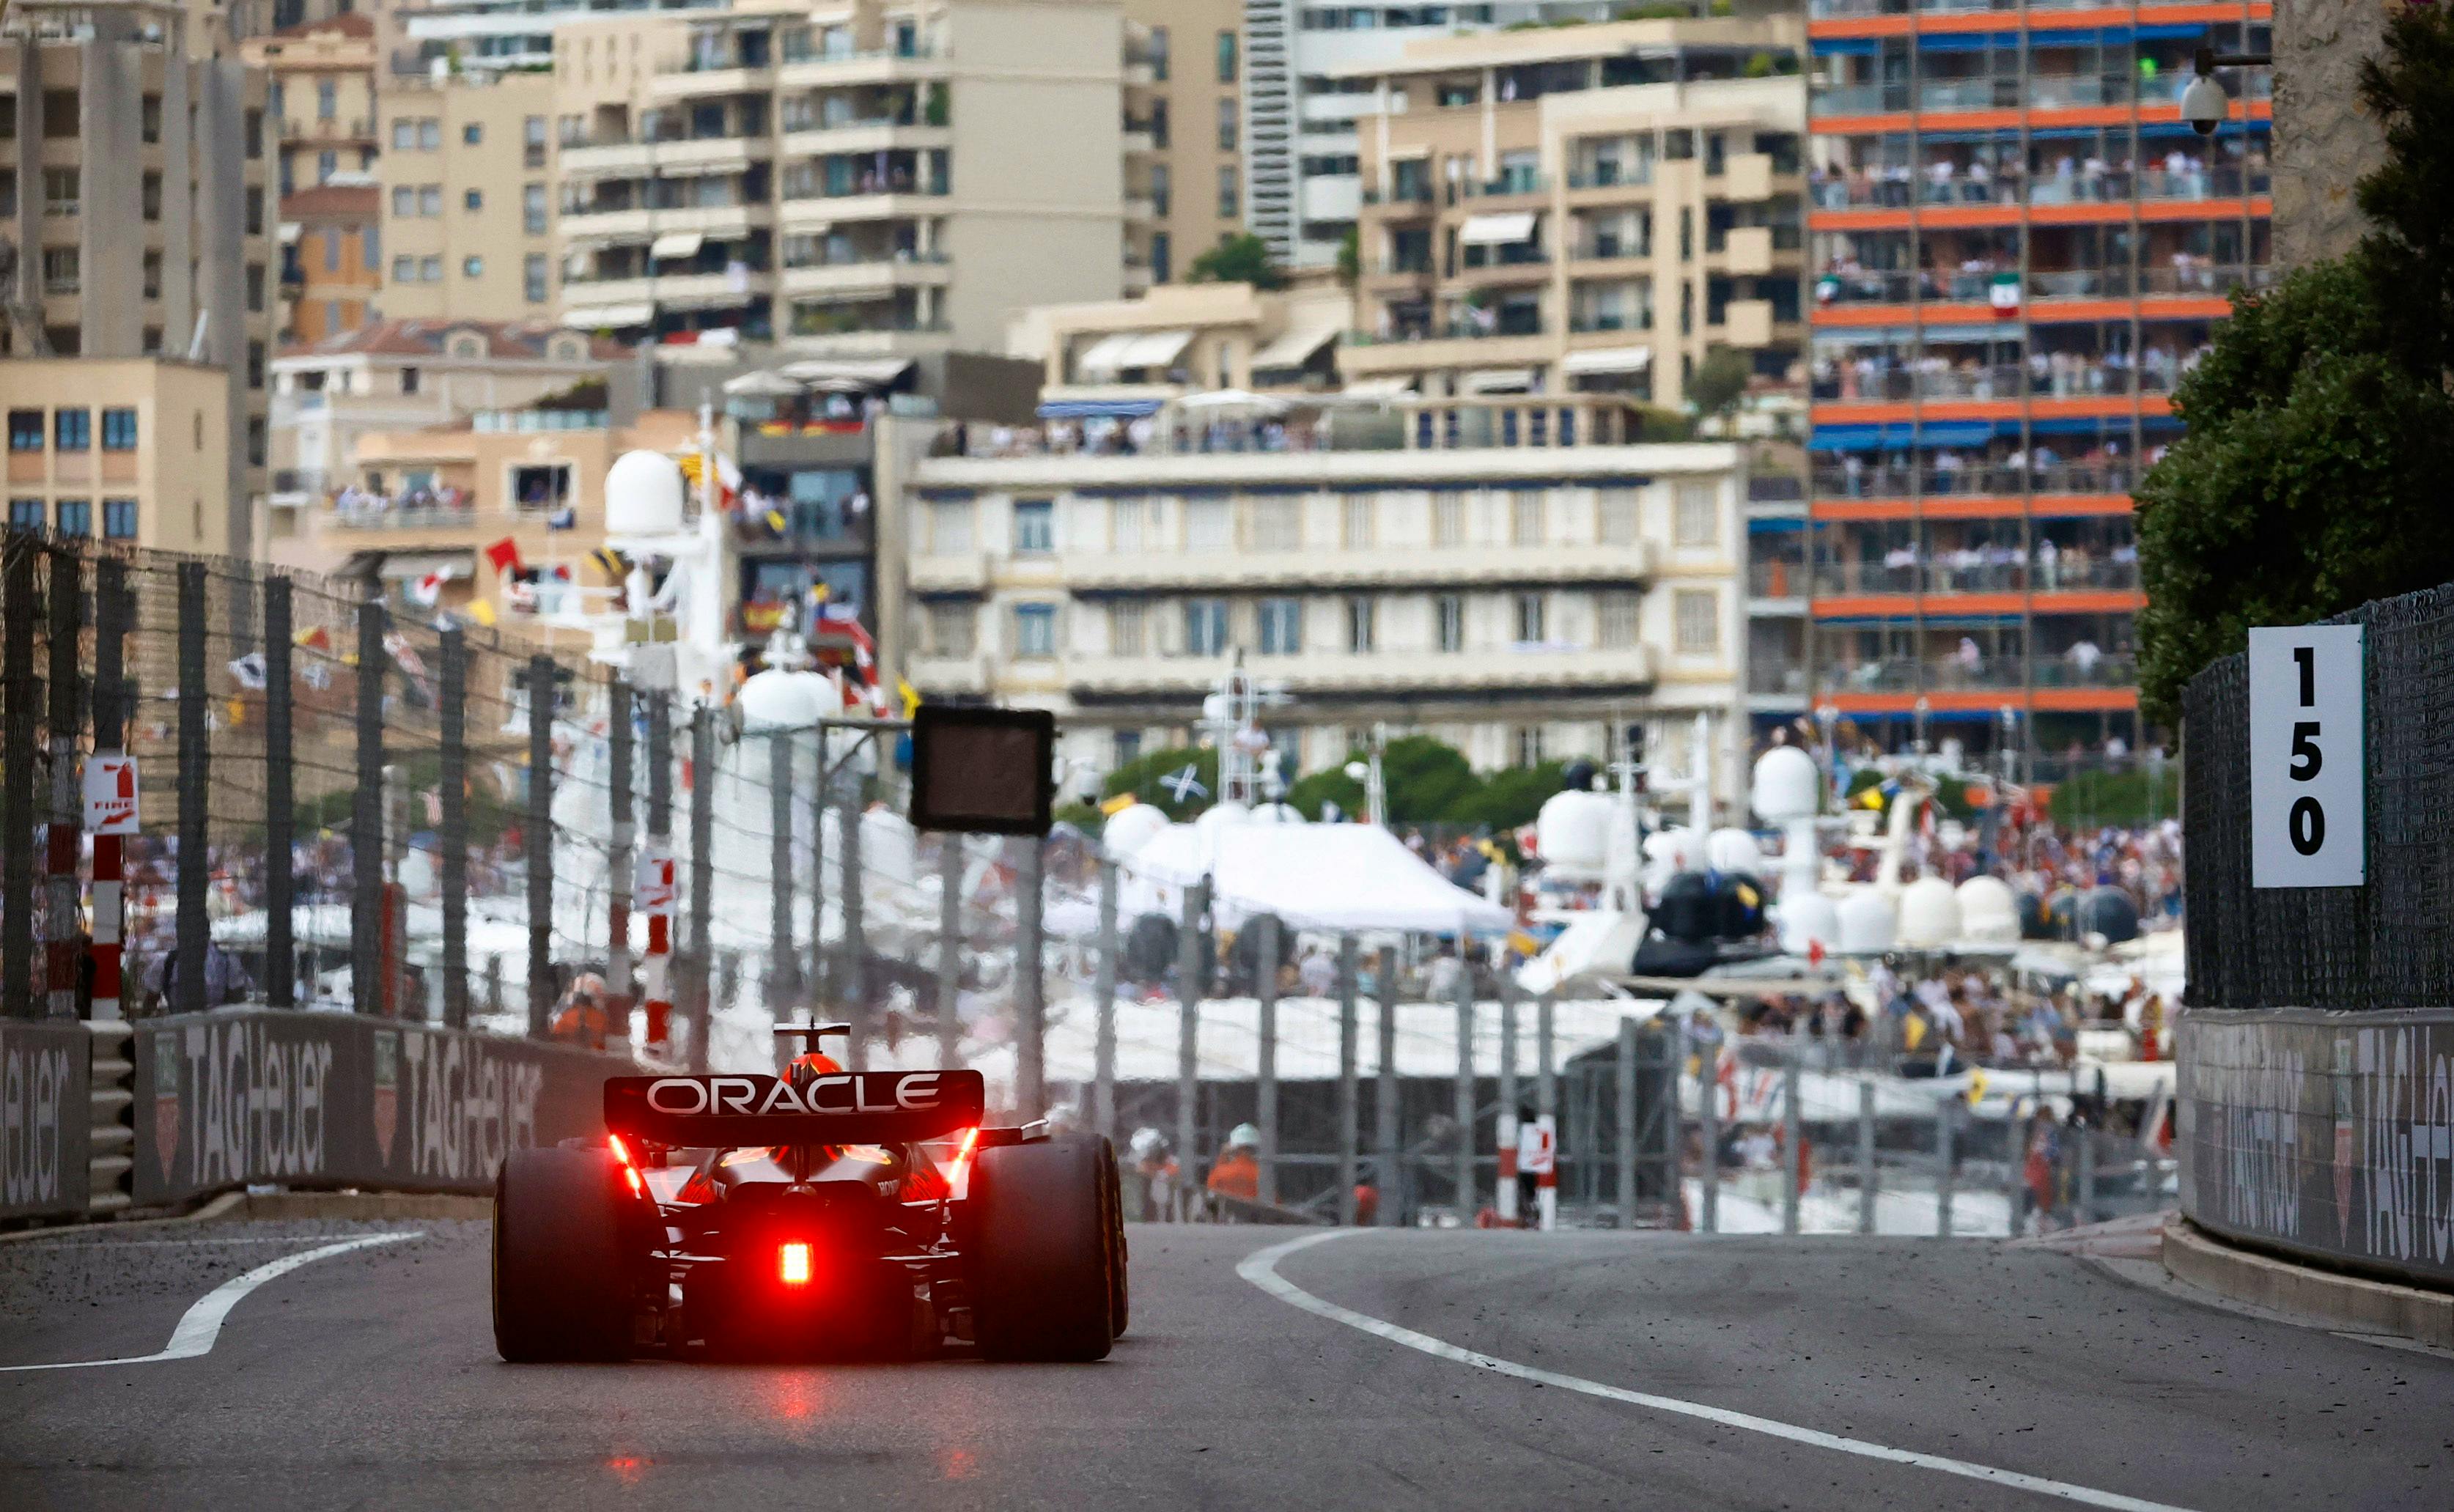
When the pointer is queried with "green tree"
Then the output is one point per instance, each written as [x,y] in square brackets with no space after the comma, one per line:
[1719,383]
[1146,780]
[1350,256]
[1243,258]
[2311,477]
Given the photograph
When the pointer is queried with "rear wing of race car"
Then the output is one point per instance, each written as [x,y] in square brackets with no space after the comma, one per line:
[849,1108]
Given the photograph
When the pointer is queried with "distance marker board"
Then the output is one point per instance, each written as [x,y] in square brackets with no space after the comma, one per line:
[2308,757]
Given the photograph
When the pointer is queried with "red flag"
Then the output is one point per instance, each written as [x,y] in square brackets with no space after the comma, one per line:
[504,556]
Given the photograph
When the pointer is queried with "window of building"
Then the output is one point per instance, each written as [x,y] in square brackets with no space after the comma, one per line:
[331,240]
[1617,508]
[404,134]
[953,629]
[1362,623]
[1163,191]
[119,519]
[532,279]
[429,269]
[1448,519]
[472,267]
[61,191]
[256,364]
[1209,526]
[62,271]
[950,526]
[250,132]
[1160,129]
[1226,57]
[408,380]
[1530,620]
[254,202]
[1035,631]
[430,200]
[1159,54]
[1529,745]
[149,196]
[371,246]
[29,515]
[1205,627]
[148,116]
[334,316]
[1162,256]
[60,112]
[1127,628]
[8,193]
[73,430]
[1035,527]
[256,444]
[1277,524]
[472,135]
[24,429]
[119,430]
[534,209]
[1696,616]
[327,99]
[1356,517]
[404,270]
[1127,749]
[1699,515]
[151,275]
[1230,201]
[1529,516]
[473,200]
[404,201]
[532,142]
[1615,620]
[1450,623]
[429,134]
[1281,627]
[1227,124]
[76,517]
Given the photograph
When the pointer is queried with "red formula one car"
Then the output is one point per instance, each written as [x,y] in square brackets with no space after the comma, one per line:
[825,1214]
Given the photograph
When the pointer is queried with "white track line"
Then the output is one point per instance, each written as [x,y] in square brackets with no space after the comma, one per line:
[203,1323]
[1260,1268]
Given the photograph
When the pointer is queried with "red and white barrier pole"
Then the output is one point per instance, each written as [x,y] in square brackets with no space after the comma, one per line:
[654,897]
[1543,1160]
[1504,1198]
[109,813]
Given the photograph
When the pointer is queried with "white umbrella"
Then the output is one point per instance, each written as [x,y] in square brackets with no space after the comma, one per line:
[1233,400]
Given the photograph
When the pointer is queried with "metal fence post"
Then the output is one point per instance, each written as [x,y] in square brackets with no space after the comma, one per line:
[281,800]
[855,935]
[621,842]
[67,795]
[1347,967]
[950,949]
[2086,1208]
[1508,1089]
[656,983]
[702,821]
[1030,979]
[537,842]
[1626,1069]
[1189,954]
[1708,1130]
[1947,1114]
[1792,1154]
[781,957]
[1867,1189]
[111,713]
[195,791]
[21,708]
[1391,1179]
[452,832]
[1104,986]
[1461,1177]
[821,1006]
[1546,1069]
[1265,1079]
[367,817]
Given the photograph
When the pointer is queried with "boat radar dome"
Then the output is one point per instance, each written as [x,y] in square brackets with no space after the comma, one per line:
[643,494]
[1989,912]
[1131,828]
[1929,917]
[1787,786]
[1866,923]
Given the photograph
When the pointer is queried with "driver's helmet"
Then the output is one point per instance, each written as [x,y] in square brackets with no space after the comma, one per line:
[1244,1137]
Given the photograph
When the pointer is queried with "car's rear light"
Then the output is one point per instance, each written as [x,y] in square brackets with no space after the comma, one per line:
[629,1166]
[792,1264]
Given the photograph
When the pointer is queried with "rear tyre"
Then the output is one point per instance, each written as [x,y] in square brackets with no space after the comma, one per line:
[1042,1251]
[560,1285]
[1113,1198]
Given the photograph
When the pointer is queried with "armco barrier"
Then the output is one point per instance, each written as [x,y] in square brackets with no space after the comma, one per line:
[314,1099]
[2329,1135]
[44,1119]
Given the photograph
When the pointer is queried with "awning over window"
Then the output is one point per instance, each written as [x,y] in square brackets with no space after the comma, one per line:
[1096,409]
[1498,229]
[1380,388]
[1608,359]
[604,317]
[1296,348]
[677,244]
[1128,349]
[1498,380]
[869,372]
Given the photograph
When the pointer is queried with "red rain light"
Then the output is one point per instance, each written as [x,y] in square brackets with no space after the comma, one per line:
[793,1263]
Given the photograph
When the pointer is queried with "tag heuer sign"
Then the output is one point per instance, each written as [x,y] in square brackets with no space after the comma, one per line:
[111,795]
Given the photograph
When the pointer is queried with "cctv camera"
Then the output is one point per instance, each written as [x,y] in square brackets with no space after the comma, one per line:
[2205,105]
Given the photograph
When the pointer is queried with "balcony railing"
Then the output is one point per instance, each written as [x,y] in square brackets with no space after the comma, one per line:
[1976,479]
[1610,175]
[1988,672]
[1595,320]
[360,511]
[1776,677]
[1455,331]
[1776,579]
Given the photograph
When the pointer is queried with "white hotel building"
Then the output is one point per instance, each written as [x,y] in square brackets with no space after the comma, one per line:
[1517,602]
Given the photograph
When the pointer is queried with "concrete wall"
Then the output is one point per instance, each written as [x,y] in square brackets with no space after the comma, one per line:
[2324,139]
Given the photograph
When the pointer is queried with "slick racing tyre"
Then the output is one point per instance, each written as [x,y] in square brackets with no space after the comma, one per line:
[1042,1251]
[1112,1197]
[561,1287]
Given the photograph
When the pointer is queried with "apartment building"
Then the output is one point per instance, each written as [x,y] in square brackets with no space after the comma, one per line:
[320,95]
[118,449]
[137,187]
[2018,249]
[1518,602]
[468,194]
[1184,161]
[1590,208]
[491,37]
[819,178]
[402,376]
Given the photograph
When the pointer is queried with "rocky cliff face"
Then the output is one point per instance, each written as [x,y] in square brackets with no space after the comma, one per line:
[2324,139]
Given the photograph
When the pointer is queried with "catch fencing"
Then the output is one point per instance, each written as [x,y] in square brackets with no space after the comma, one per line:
[2314,1110]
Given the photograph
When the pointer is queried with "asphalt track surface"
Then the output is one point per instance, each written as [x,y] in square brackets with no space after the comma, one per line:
[367,1378]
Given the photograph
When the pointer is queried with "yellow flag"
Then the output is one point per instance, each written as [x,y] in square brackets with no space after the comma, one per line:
[776,521]
[909,696]
[1976,1087]
[1913,1030]
[1525,944]
[1119,804]
[482,611]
